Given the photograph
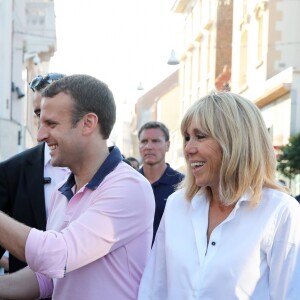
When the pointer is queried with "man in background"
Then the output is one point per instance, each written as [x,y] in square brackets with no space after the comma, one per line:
[28,178]
[154,143]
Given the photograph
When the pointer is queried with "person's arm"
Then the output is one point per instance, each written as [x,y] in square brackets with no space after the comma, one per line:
[19,285]
[13,236]
[284,254]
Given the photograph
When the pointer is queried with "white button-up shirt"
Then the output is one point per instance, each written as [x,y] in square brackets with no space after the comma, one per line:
[57,174]
[253,254]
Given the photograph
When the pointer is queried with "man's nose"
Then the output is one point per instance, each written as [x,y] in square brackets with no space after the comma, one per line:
[42,134]
[149,144]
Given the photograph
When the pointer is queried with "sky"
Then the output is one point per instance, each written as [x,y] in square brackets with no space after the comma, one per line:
[121,42]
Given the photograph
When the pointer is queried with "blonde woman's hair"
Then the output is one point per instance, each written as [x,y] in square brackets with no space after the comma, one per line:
[248,157]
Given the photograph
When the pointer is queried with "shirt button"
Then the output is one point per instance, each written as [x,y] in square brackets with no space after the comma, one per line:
[213,243]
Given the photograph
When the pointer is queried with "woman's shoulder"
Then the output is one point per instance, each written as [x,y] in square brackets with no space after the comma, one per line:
[178,196]
[277,195]
[280,200]
[179,200]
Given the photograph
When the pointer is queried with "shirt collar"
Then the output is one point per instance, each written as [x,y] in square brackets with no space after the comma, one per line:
[110,163]
[163,179]
[245,198]
[200,196]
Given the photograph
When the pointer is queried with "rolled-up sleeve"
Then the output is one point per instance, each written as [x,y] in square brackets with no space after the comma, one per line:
[40,252]
[45,285]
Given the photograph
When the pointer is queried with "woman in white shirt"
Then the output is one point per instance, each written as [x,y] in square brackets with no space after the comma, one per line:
[231,231]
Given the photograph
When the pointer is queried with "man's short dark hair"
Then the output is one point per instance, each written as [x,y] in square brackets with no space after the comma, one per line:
[90,95]
[155,124]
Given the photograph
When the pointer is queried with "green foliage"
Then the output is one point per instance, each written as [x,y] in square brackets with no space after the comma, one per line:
[289,159]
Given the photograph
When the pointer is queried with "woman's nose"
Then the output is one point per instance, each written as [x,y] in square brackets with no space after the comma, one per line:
[190,146]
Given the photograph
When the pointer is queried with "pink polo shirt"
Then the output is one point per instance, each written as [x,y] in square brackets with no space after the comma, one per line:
[97,242]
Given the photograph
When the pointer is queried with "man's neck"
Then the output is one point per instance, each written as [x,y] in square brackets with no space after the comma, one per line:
[88,168]
[154,172]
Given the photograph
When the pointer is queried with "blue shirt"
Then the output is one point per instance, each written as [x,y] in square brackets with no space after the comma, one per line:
[162,189]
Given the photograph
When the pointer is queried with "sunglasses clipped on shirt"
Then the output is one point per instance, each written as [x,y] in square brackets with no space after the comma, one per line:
[40,81]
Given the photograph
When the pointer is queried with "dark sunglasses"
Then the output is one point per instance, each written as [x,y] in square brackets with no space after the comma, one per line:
[39,81]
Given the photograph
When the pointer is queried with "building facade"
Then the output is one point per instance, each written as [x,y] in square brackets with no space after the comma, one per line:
[27,42]
[161,104]
[266,66]
[250,47]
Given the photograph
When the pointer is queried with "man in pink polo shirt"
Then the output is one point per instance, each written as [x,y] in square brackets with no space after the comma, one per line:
[99,229]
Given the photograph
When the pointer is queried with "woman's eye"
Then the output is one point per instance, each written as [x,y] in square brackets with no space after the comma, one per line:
[201,136]
[186,138]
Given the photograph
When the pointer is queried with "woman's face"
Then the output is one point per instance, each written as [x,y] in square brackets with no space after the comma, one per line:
[204,157]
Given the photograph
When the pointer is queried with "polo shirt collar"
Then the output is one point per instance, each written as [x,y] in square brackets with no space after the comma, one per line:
[109,164]
[163,179]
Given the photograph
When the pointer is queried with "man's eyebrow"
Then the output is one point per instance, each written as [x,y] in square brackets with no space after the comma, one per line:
[152,140]
[50,121]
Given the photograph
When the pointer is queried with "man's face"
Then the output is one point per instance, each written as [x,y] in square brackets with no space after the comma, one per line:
[153,146]
[64,139]
[37,98]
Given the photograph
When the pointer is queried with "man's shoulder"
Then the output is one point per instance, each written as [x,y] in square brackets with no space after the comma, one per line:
[171,177]
[124,172]
[34,152]
[125,180]
[174,172]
